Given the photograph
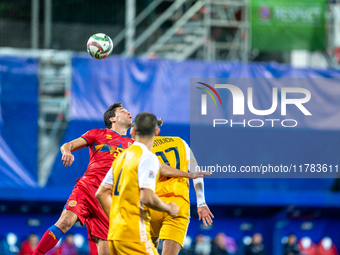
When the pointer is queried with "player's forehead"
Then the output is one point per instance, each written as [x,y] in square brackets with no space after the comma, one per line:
[121,109]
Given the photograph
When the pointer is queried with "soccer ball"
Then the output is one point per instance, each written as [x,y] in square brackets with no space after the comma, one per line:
[99,46]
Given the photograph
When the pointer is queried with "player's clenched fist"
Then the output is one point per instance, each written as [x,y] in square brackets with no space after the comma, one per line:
[173,209]
[67,159]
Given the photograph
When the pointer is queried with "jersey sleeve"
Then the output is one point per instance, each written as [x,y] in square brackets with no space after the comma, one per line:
[148,169]
[108,177]
[89,137]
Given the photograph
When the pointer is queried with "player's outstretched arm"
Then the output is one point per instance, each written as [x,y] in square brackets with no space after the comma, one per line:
[150,199]
[173,172]
[67,148]
[203,210]
[104,198]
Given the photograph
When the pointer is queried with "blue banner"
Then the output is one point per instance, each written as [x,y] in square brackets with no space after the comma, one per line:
[12,172]
[159,86]
[19,108]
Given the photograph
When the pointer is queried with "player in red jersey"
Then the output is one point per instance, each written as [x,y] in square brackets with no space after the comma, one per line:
[104,146]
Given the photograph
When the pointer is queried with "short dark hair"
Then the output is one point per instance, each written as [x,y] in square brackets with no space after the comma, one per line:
[145,124]
[111,112]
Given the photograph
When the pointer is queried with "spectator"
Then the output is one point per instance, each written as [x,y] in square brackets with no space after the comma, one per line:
[27,247]
[219,246]
[256,247]
[202,245]
[231,245]
[291,247]
[327,247]
[9,245]
[68,247]
[306,246]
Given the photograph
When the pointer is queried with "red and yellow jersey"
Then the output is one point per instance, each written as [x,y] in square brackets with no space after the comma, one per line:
[104,146]
[174,152]
[136,168]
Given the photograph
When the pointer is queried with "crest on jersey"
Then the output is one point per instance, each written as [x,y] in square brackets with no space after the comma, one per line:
[191,161]
[108,136]
[152,175]
[72,203]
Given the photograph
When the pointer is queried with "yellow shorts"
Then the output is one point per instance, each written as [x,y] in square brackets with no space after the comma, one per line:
[171,228]
[132,248]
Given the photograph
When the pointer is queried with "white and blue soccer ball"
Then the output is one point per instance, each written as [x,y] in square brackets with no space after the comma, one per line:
[99,46]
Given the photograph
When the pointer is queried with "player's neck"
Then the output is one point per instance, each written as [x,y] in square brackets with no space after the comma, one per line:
[120,130]
[148,142]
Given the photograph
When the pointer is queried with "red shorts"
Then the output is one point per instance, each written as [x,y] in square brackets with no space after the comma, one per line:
[84,203]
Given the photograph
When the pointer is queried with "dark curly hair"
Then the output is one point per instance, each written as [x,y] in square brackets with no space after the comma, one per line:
[111,112]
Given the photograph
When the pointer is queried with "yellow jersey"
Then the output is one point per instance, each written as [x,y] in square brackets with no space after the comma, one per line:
[134,169]
[174,152]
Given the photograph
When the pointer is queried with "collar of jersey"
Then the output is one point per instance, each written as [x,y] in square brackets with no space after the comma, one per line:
[140,144]
[118,134]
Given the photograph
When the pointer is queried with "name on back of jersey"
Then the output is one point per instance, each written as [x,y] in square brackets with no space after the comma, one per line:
[162,141]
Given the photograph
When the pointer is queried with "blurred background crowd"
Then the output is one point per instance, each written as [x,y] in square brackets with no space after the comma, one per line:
[221,244]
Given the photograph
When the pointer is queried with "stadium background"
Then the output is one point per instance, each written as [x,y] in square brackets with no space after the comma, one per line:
[52,91]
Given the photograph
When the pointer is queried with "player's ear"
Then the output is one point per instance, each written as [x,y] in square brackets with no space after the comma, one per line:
[133,132]
[112,119]
[157,131]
